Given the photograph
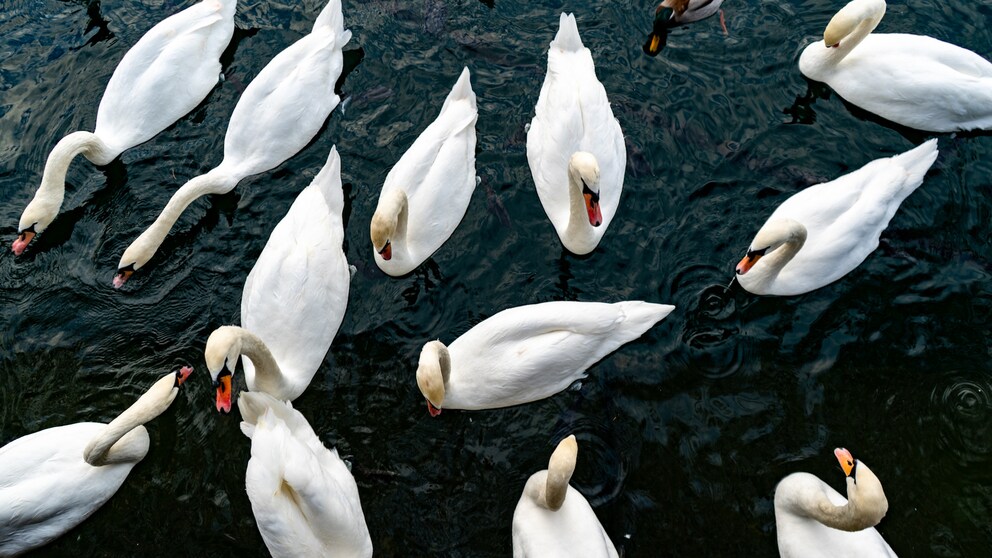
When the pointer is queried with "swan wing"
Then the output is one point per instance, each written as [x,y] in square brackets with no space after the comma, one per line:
[438,174]
[296,294]
[166,74]
[46,488]
[284,107]
[305,500]
[530,352]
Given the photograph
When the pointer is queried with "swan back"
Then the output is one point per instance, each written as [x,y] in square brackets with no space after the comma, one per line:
[284,107]
[437,175]
[573,114]
[527,353]
[166,74]
[296,294]
[304,499]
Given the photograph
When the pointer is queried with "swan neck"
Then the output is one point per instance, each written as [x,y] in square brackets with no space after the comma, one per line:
[268,376]
[51,191]
[764,274]
[443,361]
[856,515]
[114,444]
[397,205]
[578,218]
[869,14]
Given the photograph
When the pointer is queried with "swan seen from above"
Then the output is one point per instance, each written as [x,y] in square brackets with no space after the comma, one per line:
[527,353]
[280,111]
[294,298]
[554,520]
[575,146]
[303,496]
[166,74]
[814,521]
[672,13]
[52,480]
[427,193]
[825,231]
[912,80]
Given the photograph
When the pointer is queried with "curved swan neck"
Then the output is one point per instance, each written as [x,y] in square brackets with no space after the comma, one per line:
[863,15]
[578,218]
[268,376]
[858,514]
[770,265]
[114,445]
[396,207]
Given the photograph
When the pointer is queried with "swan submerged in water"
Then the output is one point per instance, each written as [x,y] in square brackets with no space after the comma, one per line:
[281,110]
[554,520]
[427,193]
[575,146]
[304,498]
[822,233]
[527,353]
[912,80]
[166,74]
[814,521]
[52,480]
[294,298]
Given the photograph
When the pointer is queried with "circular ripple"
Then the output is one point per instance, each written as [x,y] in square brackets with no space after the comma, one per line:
[964,412]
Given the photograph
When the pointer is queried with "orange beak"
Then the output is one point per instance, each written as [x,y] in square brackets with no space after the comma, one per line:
[122,277]
[434,411]
[22,242]
[747,263]
[224,394]
[592,208]
[845,459]
[183,374]
[387,251]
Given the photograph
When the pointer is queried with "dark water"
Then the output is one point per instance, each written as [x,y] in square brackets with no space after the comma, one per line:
[683,434]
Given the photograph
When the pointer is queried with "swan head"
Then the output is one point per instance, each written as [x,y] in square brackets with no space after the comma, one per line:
[383,229]
[583,172]
[135,256]
[432,374]
[771,237]
[850,17]
[864,490]
[388,222]
[36,217]
[221,354]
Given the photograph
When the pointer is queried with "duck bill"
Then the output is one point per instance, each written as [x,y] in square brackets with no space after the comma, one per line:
[845,459]
[224,394]
[747,263]
[656,41]
[592,208]
[434,411]
[387,251]
[22,242]
[122,277]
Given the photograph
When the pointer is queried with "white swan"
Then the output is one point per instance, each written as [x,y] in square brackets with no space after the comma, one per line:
[294,298]
[825,231]
[552,519]
[575,146]
[913,80]
[281,110]
[52,480]
[303,496]
[166,74]
[427,193]
[814,521]
[527,353]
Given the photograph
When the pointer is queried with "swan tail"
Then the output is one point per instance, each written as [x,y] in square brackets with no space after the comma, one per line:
[916,162]
[328,181]
[640,316]
[255,404]
[331,18]
[462,91]
[568,38]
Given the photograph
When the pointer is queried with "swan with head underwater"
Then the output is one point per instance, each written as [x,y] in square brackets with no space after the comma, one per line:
[166,74]
[527,353]
[427,193]
[825,231]
[814,521]
[294,298]
[554,520]
[912,80]
[52,480]
[304,498]
[280,111]
[575,146]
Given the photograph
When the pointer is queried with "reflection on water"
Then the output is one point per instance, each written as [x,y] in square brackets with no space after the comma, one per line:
[682,434]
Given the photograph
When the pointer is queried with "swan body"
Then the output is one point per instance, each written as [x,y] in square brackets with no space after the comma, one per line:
[427,193]
[552,519]
[166,74]
[303,496]
[573,116]
[281,110]
[527,353]
[294,298]
[52,480]
[825,231]
[912,80]
[814,521]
